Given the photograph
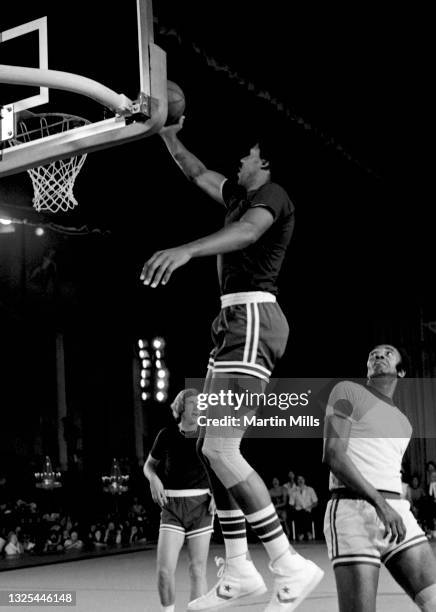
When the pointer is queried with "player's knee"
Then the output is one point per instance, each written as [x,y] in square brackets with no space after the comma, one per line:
[426,599]
[213,453]
[226,460]
[197,569]
[165,574]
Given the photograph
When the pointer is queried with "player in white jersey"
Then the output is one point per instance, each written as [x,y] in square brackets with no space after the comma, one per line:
[366,521]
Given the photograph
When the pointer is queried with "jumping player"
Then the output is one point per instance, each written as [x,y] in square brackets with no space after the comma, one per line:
[250,334]
[366,521]
[184,496]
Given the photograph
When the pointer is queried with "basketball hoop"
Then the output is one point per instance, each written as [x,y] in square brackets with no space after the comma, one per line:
[52,184]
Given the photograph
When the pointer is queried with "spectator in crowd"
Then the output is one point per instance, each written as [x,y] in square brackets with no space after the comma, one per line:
[28,543]
[430,505]
[279,498]
[110,534]
[290,484]
[416,497]
[137,508]
[119,535]
[134,535]
[98,538]
[13,547]
[73,542]
[53,543]
[291,487]
[304,501]
[2,543]
[430,467]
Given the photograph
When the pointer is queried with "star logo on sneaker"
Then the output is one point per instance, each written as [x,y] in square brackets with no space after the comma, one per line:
[283,596]
[224,595]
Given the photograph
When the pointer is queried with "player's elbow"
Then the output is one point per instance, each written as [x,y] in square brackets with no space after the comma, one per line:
[331,455]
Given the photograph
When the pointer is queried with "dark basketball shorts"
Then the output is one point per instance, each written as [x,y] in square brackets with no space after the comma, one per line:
[249,335]
[187,513]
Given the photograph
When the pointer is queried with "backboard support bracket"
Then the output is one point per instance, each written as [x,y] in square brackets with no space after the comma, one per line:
[7,123]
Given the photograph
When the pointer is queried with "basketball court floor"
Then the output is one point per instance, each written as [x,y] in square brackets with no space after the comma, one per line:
[127,582]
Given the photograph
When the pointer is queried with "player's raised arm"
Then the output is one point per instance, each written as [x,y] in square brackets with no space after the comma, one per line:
[194,169]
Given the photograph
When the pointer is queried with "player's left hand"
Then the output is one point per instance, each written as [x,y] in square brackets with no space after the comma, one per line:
[158,269]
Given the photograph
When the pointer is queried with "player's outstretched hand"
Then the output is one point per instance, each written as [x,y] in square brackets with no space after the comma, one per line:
[171,130]
[392,521]
[158,269]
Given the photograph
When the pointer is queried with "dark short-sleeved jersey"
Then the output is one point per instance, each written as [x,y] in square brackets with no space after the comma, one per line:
[181,467]
[257,267]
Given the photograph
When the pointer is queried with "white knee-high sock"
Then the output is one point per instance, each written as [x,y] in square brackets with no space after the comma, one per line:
[234,532]
[266,525]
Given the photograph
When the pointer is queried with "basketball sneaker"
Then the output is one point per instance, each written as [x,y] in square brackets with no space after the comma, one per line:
[238,580]
[290,590]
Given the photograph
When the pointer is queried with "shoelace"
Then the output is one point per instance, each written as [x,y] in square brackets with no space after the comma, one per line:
[221,564]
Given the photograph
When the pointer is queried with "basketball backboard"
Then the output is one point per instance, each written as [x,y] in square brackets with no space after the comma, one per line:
[103,66]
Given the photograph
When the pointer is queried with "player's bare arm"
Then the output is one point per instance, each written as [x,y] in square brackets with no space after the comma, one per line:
[235,236]
[194,169]
[156,487]
[337,433]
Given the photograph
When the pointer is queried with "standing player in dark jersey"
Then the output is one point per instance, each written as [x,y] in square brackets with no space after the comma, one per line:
[182,491]
[250,335]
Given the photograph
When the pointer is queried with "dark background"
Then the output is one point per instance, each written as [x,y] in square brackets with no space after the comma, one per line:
[341,91]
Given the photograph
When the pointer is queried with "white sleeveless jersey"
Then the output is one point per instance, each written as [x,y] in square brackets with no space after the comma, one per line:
[379,434]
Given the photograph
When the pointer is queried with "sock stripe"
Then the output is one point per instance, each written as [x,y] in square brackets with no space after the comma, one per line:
[235,536]
[267,529]
[233,526]
[272,535]
[228,521]
[269,520]
[263,521]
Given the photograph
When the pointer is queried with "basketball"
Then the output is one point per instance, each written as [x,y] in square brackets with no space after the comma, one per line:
[176,103]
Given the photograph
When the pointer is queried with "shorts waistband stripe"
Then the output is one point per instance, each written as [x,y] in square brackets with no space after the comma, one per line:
[242,370]
[244,364]
[186,492]
[246,297]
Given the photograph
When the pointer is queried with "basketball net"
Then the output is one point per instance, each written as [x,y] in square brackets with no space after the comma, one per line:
[53,183]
